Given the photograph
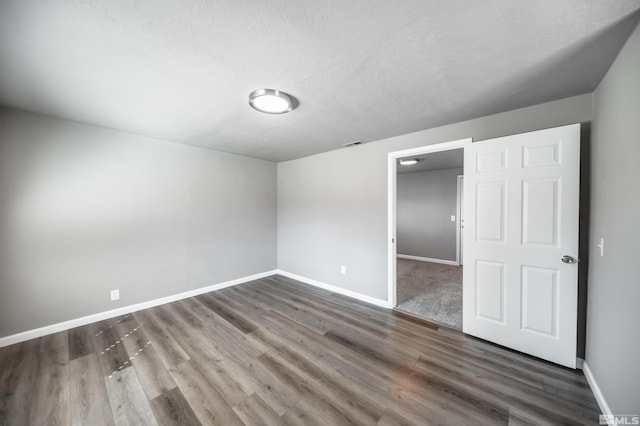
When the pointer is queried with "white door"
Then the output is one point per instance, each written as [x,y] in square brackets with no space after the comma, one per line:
[521,218]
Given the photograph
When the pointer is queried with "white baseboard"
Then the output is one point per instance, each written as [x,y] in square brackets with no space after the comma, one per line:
[602,403]
[77,322]
[339,290]
[427,259]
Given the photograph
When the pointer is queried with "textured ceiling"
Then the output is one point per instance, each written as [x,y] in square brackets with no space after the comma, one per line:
[363,69]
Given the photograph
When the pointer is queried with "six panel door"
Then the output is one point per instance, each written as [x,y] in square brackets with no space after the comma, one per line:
[521,218]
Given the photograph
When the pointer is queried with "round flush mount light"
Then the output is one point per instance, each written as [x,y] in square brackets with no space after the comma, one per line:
[409,161]
[271,101]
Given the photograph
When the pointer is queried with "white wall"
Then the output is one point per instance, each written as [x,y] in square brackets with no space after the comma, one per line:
[84,210]
[425,203]
[332,207]
[613,339]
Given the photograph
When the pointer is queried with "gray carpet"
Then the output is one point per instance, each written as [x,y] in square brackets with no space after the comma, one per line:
[430,290]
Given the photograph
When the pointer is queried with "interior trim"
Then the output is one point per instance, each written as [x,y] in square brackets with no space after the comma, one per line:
[392,158]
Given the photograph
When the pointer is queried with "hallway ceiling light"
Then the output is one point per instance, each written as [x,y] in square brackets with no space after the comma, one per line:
[271,101]
[409,162]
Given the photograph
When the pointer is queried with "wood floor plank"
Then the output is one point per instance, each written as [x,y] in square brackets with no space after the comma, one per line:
[171,408]
[392,418]
[294,333]
[259,380]
[301,310]
[227,339]
[169,351]
[237,319]
[314,412]
[17,378]
[205,401]
[228,386]
[336,401]
[110,348]
[80,342]
[196,344]
[493,390]
[127,399]
[404,392]
[519,417]
[151,372]
[50,401]
[88,393]
[455,354]
[325,379]
[191,339]
[294,312]
[388,355]
[253,411]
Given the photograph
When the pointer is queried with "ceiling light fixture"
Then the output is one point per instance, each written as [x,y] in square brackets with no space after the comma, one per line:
[409,162]
[271,101]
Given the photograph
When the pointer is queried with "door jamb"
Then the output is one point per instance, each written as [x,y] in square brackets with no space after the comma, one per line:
[391,205]
[459,220]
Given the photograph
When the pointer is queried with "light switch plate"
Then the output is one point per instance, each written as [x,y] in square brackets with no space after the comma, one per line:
[600,245]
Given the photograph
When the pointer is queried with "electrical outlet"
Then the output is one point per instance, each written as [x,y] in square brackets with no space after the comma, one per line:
[343,269]
[115,294]
[453,218]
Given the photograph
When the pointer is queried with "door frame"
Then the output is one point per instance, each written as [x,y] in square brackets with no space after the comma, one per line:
[392,159]
[459,219]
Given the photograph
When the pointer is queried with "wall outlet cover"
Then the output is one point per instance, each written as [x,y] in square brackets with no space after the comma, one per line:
[115,294]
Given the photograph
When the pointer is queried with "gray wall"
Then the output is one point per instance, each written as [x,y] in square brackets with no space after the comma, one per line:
[613,339]
[84,210]
[425,203]
[332,207]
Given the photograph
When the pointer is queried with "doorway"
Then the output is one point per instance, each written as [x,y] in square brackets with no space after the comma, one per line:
[425,249]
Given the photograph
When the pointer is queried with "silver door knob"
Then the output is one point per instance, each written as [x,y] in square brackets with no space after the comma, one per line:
[568,259]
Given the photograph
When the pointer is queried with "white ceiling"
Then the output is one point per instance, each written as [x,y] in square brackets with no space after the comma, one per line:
[362,69]
[442,160]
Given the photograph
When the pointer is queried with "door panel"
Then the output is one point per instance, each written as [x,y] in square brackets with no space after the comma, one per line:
[490,277]
[540,211]
[541,155]
[490,212]
[521,211]
[490,161]
[539,300]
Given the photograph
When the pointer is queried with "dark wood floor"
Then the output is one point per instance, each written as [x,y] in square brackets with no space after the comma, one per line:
[275,351]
